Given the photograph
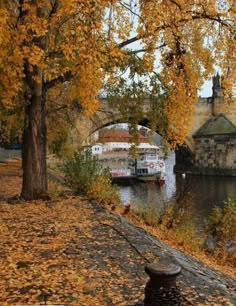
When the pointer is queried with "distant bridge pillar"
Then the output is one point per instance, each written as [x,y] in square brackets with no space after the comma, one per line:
[184,156]
[184,160]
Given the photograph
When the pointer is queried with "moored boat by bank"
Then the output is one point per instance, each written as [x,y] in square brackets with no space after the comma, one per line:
[148,167]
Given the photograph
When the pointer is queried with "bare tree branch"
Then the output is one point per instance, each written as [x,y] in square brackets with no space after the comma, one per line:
[129,41]
[146,49]
[130,10]
[67,76]
[54,6]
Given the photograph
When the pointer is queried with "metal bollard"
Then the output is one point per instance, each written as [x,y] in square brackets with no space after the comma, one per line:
[161,288]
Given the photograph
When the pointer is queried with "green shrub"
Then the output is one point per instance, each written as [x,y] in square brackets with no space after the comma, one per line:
[222,222]
[221,230]
[173,221]
[85,174]
[187,236]
[103,191]
[149,213]
[82,170]
[170,216]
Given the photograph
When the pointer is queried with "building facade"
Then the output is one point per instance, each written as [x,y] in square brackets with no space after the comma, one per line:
[215,147]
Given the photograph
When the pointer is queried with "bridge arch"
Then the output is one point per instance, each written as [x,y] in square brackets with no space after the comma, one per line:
[86,127]
[205,108]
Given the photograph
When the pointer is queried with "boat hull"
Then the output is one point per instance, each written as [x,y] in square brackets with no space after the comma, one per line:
[150,178]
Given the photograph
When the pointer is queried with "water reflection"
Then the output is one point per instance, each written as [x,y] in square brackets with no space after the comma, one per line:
[203,192]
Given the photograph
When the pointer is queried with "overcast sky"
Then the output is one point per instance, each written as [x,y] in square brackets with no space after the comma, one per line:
[206,90]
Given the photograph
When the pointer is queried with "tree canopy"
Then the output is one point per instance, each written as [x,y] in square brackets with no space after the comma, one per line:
[73,48]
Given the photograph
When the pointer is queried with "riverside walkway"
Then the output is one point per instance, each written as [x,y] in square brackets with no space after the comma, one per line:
[72,251]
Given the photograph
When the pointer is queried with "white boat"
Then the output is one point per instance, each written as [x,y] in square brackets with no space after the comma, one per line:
[148,166]
[122,175]
[120,172]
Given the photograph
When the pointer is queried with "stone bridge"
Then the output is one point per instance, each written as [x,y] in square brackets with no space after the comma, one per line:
[205,109]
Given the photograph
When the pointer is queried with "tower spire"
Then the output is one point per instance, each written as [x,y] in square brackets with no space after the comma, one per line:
[216,85]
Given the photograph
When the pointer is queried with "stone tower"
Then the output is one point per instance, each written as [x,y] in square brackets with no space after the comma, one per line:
[216,87]
[217,95]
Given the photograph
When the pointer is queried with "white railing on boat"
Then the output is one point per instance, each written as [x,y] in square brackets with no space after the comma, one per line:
[120,172]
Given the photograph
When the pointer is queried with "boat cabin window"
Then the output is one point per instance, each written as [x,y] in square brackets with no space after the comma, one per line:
[151,157]
[142,171]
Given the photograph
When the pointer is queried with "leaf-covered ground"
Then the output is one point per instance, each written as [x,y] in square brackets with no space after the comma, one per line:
[71,251]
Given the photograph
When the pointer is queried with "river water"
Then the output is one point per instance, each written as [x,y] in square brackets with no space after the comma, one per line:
[202,192]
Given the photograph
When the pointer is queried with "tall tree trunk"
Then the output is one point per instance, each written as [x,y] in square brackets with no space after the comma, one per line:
[34,144]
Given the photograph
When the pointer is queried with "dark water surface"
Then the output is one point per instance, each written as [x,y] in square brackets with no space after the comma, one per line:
[203,192]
